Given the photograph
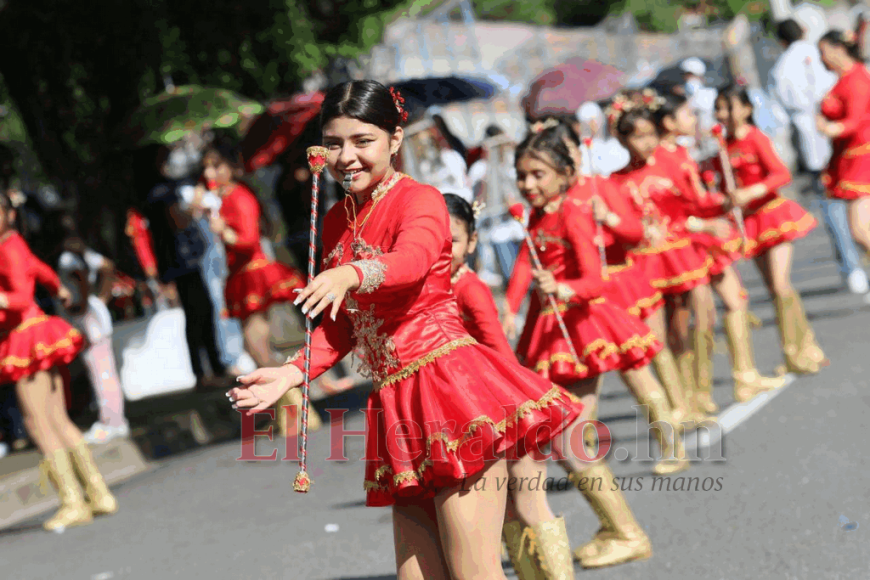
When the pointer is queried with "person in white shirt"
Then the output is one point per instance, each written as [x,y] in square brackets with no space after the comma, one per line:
[607,155]
[799,81]
[80,268]
[702,99]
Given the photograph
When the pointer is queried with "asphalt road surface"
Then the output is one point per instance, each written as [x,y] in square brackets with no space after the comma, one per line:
[791,499]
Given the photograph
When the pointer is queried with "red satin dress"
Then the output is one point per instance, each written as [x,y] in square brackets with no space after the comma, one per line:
[702,204]
[442,404]
[30,340]
[605,337]
[254,282]
[479,312]
[769,220]
[627,282]
[848,173]
[677,264]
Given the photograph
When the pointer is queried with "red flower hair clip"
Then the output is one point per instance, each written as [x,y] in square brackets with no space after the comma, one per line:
[399,101]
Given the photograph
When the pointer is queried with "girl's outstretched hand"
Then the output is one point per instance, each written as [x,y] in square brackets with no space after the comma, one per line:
[262,388]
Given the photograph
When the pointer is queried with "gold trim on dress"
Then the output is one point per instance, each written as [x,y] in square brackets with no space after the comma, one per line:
[256,265]
[673,245]
[648,302]
[854,186]
[374,274]
[563,307]
[858,151]
[416,365]
[804,224]
[42,349]
[690,276]
[549,398]
[617,268]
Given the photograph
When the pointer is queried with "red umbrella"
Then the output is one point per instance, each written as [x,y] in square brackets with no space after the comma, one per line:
[278,128]
[561,90]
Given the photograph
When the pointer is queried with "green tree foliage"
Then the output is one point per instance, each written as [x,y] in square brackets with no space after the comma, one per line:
[75,70]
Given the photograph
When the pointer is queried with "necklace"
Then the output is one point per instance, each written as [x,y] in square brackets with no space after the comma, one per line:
[377,195]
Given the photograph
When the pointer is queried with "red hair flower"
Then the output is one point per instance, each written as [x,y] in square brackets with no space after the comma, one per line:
[399,101]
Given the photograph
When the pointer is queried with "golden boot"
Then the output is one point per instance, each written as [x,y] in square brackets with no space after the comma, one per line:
[521,550]
[686,365]
[293,398]
[73,511]
[589,549]
[704,343]
[554,551]
[621,538]
[793,327]
[809,347]
[671,443]
[748,382]
[100,499]
[669,375]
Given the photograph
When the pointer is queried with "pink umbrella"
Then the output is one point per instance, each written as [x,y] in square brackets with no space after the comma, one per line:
[562,89]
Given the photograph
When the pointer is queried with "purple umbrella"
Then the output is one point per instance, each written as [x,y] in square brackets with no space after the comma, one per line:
[562,89]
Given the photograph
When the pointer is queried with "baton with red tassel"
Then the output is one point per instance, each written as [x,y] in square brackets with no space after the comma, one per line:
[316,163]
[518,212]
[730,183]
[599,233]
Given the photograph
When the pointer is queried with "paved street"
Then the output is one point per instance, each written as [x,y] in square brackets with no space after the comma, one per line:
[791,471]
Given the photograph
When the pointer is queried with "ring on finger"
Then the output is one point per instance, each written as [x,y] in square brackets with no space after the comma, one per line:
[330,297]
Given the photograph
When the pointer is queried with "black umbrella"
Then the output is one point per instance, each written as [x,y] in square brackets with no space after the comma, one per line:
[420,94]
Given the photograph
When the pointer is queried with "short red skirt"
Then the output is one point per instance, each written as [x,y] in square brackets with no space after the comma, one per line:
[675,267]
[39,343]
[606,338]
[448,416]
[631,289]
[722,251]
[778,221]
[848,173]
[259,285]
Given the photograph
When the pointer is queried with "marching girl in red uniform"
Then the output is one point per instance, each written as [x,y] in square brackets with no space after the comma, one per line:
[845,118]
[602,334]
[772,222]
[254,283]
[536,539]
[668,256]
[385,290]
[710,230]
[33,349]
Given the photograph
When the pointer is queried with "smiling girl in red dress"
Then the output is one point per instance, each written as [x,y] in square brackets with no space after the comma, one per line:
[385,291]
[602,334]
[772,223]
[33,349]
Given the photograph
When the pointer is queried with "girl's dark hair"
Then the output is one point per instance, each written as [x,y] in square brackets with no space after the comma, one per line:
[789,31]
[668,109]
[367,101]
[227,149]
[550,142]
[740,93]
[625,125]
[460,209]
[837,38]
